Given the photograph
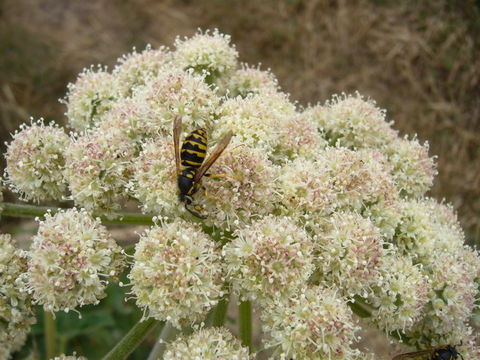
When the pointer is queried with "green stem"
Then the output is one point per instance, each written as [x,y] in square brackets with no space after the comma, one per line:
[50,328]
[359,308]
[24,210]
[167,334]
[245,323]
[219,313]
[132,339]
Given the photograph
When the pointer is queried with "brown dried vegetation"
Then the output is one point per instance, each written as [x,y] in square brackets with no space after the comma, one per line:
[419,60]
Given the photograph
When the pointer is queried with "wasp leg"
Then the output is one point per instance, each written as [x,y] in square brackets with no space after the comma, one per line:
[211,197]
[213,176]
[194,212]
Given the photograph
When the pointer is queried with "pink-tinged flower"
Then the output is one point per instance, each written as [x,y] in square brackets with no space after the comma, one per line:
[412,169]
[399,294]
[348,253]
[353,122]
[177,274]
[35,162]
[136,68]
[16,312]
[246,194]
[269,259]
[90,97]
[154,181]
[315,323]
[427,226]
[207,344]
[177,93]
[452,297]
[71,261]
[98,167]
[208,53]
[255,120]
[248,80]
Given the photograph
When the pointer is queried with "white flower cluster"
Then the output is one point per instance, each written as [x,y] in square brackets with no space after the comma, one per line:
[177,273]
[308,211]
[16,312]
[207,344]
[69,357]
[71,261]
[35,162]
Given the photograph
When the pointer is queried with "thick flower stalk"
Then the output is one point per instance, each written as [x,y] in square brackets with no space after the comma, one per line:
[207,344]
[16,312]
[71,261]
[35,162]
[177,274]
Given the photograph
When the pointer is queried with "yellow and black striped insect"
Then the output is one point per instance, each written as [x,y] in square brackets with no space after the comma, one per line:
[191,157]
[447,352]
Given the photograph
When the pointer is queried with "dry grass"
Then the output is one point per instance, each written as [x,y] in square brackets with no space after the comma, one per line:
[421,62]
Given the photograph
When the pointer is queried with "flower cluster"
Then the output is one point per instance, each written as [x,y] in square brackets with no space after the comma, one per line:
[270,258]
[71,261]
[69,357]
[177,274]
[90,97]
[208,53]
[97,169]
[399,295]
[35,162]
[349,253]
[315,323]
[16,313]
[310,213]
[207,344]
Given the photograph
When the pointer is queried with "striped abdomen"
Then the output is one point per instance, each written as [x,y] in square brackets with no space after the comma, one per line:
[194,148]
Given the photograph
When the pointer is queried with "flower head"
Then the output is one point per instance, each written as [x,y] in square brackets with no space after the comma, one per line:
[305,187]
[248,191]
[176,274]
[255,120]
[177,93]
[427,226]
[452,297]
[412,169]
[71,260]
[352,122]
[315,323]
[35,161]
[136,68]
[69,357]
[90,97]
[269,259]
[248,80]
[98,167]
[208,53]
[154,181]
[400,294]
[348,253]
[207,344]
[16,313]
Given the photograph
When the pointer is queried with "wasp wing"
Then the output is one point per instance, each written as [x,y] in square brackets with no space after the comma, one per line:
[177,129]
[413,355]
[213,157]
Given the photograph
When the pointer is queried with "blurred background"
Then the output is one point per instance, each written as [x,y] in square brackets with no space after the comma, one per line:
[420,60]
